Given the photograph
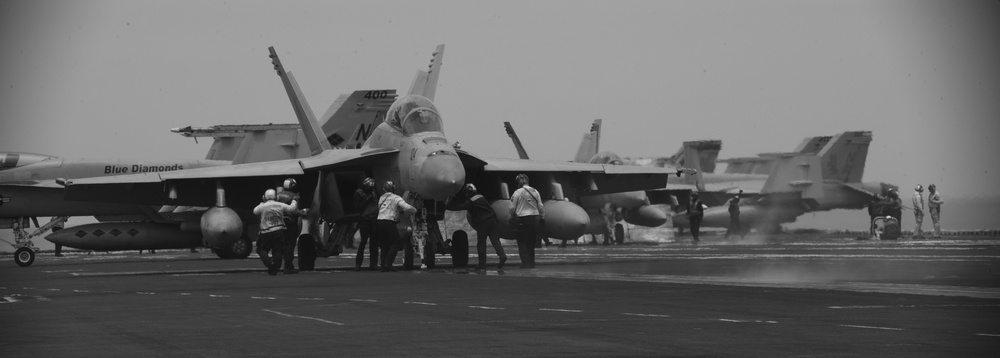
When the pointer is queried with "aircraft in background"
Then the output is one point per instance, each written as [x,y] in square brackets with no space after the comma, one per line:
[807,180]
[823,173]
[605,209]
[30,188]
[409,148]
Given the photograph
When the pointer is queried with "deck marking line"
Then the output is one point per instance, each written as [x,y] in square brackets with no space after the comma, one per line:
[263,298]
[559,310]
[41,298]
[304,317]
[871,327]
[646,315]
[988,334]
[421,303]
[487,307]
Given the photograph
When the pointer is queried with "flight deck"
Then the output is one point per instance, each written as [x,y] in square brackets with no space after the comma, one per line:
[790,295]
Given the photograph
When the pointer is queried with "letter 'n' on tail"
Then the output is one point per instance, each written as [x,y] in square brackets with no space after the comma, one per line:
[307,119]
[425,83]
[843,158]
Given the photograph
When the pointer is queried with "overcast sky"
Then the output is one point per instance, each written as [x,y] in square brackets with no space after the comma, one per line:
[99,79]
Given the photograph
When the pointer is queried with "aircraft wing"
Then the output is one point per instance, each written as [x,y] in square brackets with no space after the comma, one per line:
[34,184]
[578,178]
[243,183]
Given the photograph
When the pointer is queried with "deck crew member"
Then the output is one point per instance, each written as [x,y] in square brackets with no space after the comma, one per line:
[483,219]
[390,209]
[735,227]
[272,230]
[918,210]
[526,213]
[696,212]
[292,228]
[366,205]
[934,202]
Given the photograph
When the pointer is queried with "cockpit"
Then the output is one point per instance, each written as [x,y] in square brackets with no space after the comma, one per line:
[13,160]
[413,114]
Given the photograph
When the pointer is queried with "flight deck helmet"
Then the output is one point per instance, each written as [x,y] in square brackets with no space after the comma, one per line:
[289,184]
[389,187]
[470,189]
[270,194]
[919,187]
[522,179]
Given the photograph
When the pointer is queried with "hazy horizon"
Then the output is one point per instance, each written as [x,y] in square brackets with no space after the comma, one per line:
[108,79]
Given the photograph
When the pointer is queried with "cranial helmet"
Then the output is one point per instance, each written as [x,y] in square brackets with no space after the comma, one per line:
[270,194]
[289,184]
[470,189]
[932,187]
[368,183]
[919,187]
[522,179]
[389,187]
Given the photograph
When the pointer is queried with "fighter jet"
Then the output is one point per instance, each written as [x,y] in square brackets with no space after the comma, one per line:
[30,188]
[605,209]
[807,180]
[822,173]
[408,148]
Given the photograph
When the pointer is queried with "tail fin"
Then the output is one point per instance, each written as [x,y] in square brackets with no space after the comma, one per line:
[796,173]
[351,118]
[590,144]
[812,145]
[843,158]
[699,154]
[307,119]
[425,83]
[521,153]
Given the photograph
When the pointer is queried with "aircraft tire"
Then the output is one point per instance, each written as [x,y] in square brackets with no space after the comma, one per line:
[619,234]
[24,257]
[307,253]
[429,254]
[408,253]
[241,249]
[460,248]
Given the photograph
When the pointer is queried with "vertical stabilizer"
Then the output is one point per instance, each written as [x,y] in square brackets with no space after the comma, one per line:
[691,160]
[521,153]
[812,145]
[590,144]
[307,119]
[425,83]
[796,173]
[351,119]
[843,158]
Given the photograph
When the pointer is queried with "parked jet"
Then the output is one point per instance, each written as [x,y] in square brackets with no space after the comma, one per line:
[804,181]
[29,188]
[823,173]
[409,148]
[634,206]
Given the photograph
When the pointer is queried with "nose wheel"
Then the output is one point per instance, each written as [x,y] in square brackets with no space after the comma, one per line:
[24,256]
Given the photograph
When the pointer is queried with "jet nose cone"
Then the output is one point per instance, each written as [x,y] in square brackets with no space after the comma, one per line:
[442,175]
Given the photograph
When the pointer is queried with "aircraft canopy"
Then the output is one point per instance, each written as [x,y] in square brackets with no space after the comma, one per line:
[414,114]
